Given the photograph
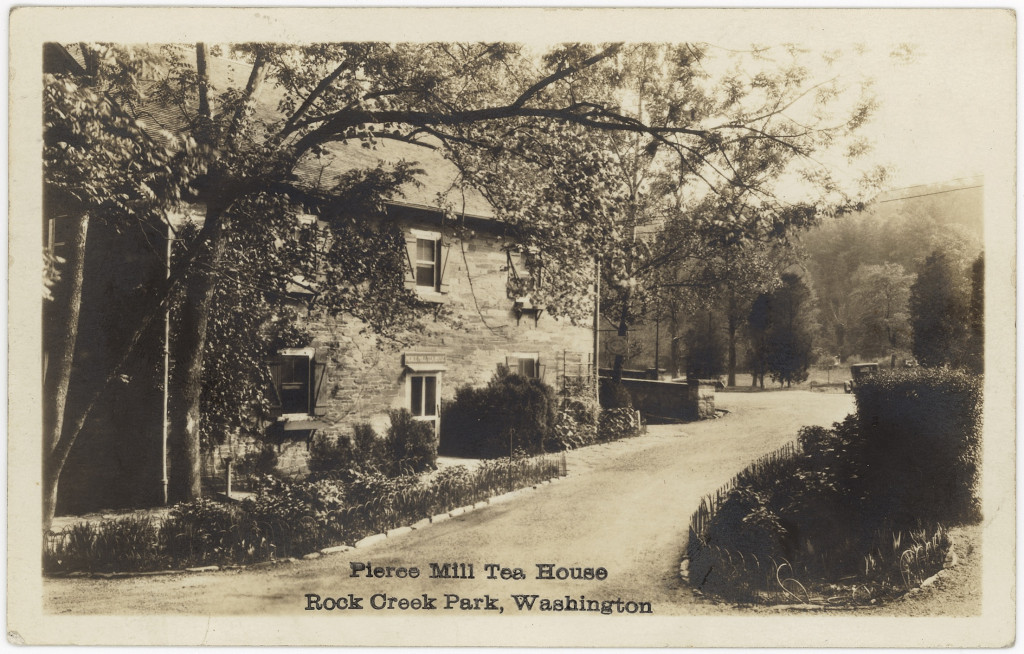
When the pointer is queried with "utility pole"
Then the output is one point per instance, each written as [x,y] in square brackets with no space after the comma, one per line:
[597,331]
[167,368]
[657,342]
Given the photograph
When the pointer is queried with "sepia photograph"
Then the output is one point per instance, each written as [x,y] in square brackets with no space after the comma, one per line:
[512,327]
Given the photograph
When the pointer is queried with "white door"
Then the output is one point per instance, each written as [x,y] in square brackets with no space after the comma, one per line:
[424,398]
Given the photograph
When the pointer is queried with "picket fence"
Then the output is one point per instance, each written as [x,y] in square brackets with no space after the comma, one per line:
[751,578]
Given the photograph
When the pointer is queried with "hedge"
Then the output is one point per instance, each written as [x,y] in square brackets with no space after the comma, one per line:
[922,431]
[511,413]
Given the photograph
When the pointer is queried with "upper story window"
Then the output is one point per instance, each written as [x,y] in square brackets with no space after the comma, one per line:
[525,274]
[294,384]
[428,264]
[428,256]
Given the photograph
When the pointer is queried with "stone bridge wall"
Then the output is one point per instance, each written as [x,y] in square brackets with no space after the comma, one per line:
[673,400]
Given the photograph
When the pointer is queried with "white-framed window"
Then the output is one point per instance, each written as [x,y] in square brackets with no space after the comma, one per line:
[526,364]
[428,263]
[423,397]
[428,255]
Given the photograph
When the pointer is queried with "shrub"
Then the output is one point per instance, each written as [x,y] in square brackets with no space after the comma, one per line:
[410,446]
[922,432]
[574,425]
[265,460]
[368,448]
[614,395]
[339,457]
[204,531]
[331,456]
[512,411]
[618,423]
[462,422]
[253,463]
[285,518]
[568,433]
[864,500]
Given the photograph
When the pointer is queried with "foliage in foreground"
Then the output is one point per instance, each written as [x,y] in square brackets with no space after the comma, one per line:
[408,447]
[858,508]
[284,519]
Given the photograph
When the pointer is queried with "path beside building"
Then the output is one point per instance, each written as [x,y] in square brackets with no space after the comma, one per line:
[624,507]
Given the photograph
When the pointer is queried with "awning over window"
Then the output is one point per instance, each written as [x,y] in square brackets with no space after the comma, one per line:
[302,424]
[426,367]
[424,361]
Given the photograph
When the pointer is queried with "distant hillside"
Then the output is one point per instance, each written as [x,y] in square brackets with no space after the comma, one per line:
[902,227]
[958,201]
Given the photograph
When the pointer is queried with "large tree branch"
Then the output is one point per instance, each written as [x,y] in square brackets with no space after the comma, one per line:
[334,126]
[542,84]
[202,81]
[314,95]
[252,89]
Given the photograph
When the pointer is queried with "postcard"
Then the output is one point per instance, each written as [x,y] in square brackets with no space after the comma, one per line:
[512,327]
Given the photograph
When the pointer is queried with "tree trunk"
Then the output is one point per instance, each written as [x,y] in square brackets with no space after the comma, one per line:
[59,374]
[189,345]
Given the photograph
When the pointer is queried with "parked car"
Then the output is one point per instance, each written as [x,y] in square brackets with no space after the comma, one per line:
[858,372]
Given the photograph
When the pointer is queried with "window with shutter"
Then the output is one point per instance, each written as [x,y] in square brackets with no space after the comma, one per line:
[427,255]
[525,364]
[427,263]
[298,382]
[295,375]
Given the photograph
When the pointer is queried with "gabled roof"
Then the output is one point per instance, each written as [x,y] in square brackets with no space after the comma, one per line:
[440,177]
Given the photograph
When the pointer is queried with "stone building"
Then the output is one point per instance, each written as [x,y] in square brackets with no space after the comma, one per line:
[347,376]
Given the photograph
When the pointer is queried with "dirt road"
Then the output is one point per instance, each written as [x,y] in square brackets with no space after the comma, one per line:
[624,507]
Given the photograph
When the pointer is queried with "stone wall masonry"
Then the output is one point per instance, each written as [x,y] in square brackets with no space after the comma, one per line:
[366,376]
[292,460]
[693,400]
[702,398]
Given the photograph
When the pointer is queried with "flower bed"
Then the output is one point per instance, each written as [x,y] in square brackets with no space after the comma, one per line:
[853,513]
[284,519]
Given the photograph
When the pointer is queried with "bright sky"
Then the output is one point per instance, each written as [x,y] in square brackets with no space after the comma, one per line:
[946,112]
[935,116]
[943,110]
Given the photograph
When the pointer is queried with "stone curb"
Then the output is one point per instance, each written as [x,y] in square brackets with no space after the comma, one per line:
[369,540]
[684,575]
[337,549]
[363,543]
